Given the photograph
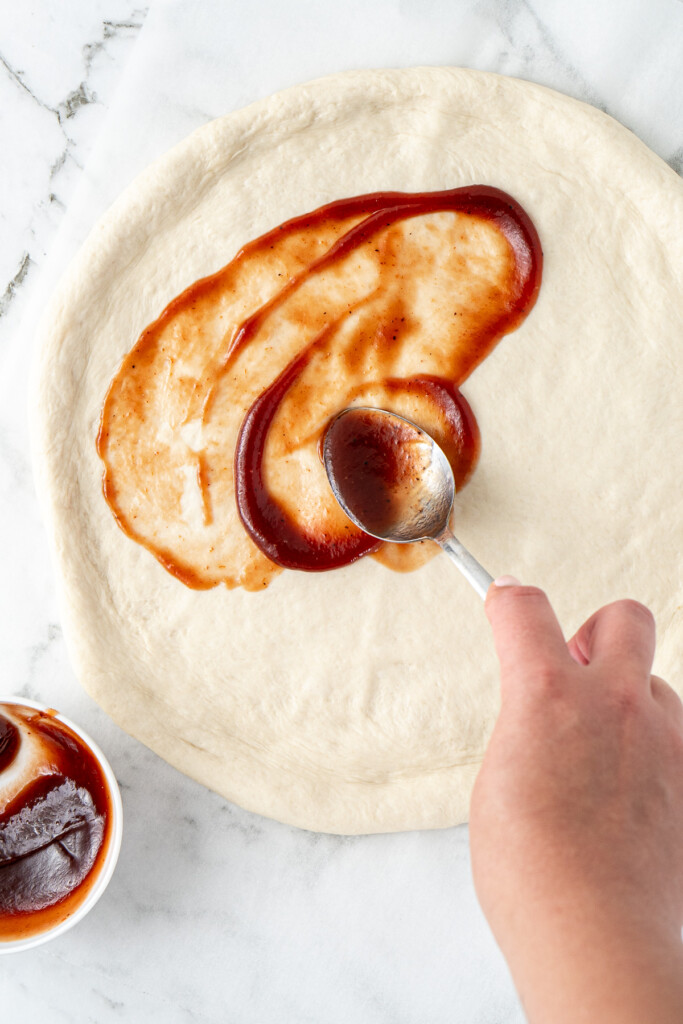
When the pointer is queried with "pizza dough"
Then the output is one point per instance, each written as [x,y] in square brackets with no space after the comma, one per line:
[360,700]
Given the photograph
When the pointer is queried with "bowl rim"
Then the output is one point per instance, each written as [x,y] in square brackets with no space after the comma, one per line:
[107,869]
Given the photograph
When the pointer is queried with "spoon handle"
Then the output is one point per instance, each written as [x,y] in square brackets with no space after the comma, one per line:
[473,572]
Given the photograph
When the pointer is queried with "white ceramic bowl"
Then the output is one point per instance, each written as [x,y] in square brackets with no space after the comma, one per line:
[106,869]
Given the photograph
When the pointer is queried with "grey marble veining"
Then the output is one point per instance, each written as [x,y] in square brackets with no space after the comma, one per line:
[46,106]
[58,70]
[215,914]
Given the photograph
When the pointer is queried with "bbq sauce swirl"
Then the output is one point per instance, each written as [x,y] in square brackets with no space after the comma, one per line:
[210,428]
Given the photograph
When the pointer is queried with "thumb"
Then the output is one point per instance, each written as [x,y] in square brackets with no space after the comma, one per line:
[526,633]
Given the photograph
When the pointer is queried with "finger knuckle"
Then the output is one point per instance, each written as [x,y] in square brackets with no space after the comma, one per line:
[665,694]
[636,611]
[547,679]
[627,700]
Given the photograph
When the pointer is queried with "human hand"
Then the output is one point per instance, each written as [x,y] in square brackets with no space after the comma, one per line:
[576,822]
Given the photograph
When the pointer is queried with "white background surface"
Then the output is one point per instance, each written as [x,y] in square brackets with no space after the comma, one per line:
[215,914]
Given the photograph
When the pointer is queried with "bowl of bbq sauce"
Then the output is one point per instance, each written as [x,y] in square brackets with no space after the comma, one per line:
[60,824]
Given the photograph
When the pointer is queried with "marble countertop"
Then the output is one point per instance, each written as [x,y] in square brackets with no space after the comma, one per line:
[215,914]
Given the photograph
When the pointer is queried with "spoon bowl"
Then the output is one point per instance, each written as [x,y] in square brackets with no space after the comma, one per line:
[394,482]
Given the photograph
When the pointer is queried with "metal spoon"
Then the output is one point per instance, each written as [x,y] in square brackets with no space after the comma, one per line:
[412,502]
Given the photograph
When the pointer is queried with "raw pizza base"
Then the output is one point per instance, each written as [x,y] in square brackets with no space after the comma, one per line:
[361,700]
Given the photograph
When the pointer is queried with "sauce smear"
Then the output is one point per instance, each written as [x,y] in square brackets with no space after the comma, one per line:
[210,428]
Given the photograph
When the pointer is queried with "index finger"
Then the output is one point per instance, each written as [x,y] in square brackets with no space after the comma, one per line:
[620,637]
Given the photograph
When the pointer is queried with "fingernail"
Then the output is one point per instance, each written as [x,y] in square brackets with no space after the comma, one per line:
[506,581]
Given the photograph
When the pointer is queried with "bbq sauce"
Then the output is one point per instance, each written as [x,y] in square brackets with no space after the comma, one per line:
[227,393]
[55,821]
[9,742]
[373,464]
[376,466]
[278,534]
